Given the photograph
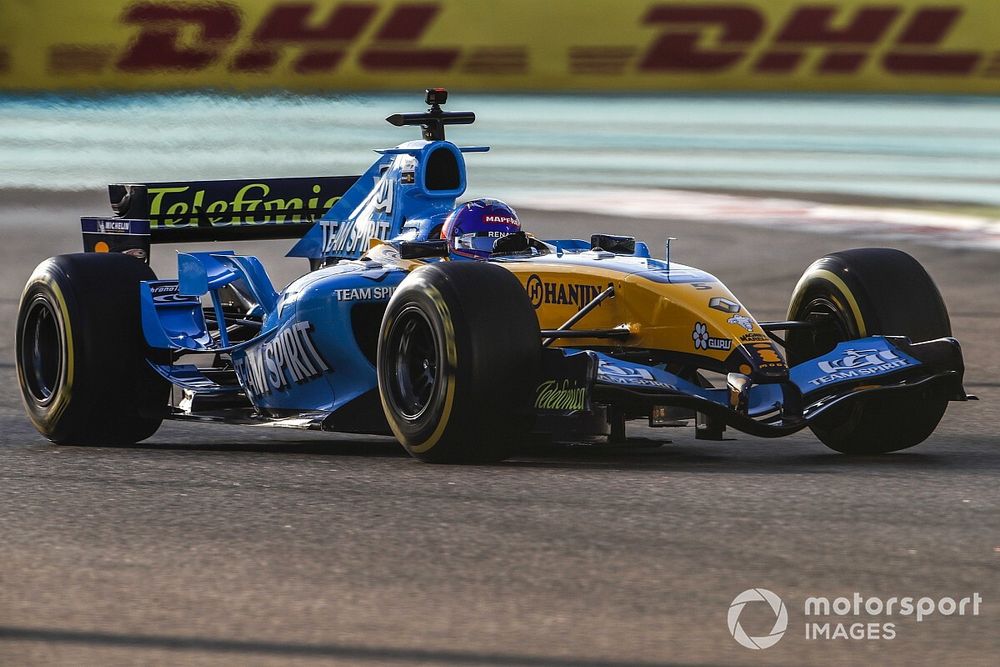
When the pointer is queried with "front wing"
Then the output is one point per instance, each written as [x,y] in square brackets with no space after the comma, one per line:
[852,371]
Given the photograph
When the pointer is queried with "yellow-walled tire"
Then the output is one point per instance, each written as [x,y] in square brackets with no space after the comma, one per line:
[80,352]
[458,359]
[869,292]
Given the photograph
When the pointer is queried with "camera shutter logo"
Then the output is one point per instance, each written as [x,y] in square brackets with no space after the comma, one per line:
[780,618]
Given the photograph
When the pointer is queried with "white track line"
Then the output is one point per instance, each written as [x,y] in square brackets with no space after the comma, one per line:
[941,229]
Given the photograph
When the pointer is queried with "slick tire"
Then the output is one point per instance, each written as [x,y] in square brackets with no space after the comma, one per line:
[81,354]
[458,358]
[866,292]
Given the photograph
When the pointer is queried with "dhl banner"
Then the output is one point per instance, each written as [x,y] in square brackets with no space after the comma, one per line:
[926,46]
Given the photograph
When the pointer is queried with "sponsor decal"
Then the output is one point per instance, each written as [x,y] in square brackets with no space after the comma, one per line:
[372,220]
[561,294]
[289,357]
[564,395]
[318,34]
[364,293]
[174,205]
[366,44]
[352,238]
[858,364]
[384,192]
[702,341]
[755,338]
[725,305]
[499,220]
[767,356]
[628,375]
[114,227]
[911,41]
[169,293]
[743,321]
[119,235]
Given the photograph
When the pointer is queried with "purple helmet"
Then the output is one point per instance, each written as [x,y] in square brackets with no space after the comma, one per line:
[474,227]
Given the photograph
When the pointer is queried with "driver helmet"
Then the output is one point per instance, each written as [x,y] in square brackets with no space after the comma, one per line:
[474,227]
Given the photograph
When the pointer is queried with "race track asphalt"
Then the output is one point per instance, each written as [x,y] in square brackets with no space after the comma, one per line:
[225,545]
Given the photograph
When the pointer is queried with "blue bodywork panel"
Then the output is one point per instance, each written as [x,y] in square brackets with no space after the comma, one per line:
[307,356]
[406,194]
[764,398]
[851,362]
[171,320]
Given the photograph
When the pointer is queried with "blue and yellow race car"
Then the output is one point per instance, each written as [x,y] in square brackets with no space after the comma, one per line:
[395,330]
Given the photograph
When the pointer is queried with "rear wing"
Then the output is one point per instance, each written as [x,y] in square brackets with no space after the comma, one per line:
[193,211]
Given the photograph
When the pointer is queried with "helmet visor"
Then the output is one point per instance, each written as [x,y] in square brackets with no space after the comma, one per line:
[478,242]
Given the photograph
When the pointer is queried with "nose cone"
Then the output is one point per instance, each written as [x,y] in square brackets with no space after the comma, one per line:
[706,319]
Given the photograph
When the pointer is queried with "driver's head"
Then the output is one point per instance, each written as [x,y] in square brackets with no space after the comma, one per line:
[473,227]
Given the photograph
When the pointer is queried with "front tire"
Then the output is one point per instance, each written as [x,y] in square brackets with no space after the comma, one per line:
[458,357]
[80,351]
[869,292]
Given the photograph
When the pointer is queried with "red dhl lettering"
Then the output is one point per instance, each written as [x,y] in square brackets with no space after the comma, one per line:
[312,37]
[165,29]
[847,38]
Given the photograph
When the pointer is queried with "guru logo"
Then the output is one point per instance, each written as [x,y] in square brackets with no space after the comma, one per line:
[702,341]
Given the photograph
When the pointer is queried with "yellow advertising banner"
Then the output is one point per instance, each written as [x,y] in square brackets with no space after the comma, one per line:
[922,46]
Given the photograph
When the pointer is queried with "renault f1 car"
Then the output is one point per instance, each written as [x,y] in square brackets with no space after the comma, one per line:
[460,360]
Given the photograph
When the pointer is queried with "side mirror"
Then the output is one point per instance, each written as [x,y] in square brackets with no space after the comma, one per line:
[620,245]
[423,249]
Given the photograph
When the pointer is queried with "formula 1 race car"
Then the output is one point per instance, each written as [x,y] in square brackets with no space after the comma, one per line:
[390,333]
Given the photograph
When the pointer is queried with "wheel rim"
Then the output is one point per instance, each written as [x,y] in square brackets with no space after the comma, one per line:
[414,363]
[829,328]
[41,352]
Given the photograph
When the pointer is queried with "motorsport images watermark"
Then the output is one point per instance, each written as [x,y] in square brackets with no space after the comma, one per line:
[862,617]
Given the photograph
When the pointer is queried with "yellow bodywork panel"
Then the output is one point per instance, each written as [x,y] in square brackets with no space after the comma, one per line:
[680,310]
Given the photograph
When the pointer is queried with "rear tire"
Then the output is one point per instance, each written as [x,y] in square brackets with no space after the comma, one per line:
[869,292]
[81,353]
[458,358]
